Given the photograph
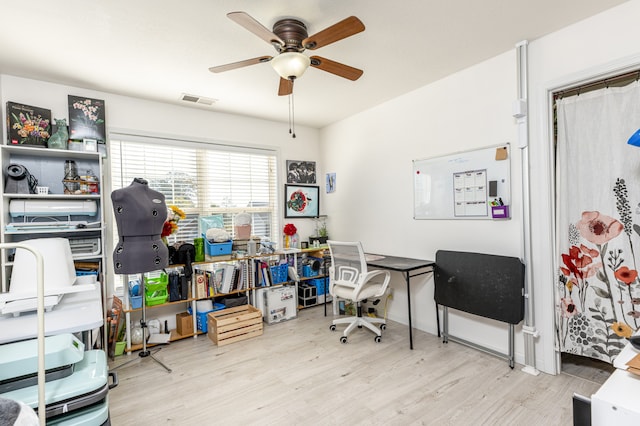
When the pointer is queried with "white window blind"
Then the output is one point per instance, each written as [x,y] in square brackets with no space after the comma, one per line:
[201,179]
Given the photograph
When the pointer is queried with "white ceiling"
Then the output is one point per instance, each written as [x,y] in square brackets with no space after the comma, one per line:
[159,49]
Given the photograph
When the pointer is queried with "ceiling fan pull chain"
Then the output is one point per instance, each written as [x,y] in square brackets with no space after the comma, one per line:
[289,99]
[293,117]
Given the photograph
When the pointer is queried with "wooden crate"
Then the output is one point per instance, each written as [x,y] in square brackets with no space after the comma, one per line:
[234,324]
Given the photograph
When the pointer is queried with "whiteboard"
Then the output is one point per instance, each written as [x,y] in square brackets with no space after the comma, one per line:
[462,185]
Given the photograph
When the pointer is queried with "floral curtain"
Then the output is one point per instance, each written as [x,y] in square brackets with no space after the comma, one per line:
[598,222]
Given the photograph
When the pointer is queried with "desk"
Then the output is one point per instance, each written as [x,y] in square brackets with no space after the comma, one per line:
[76,312]
[406,266]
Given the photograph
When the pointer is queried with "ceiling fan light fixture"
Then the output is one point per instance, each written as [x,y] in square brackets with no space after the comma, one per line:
[290,65]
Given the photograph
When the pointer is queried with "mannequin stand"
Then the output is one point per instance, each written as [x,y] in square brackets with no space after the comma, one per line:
[144,353]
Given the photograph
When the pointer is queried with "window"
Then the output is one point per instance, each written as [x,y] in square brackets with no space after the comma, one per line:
[202,179]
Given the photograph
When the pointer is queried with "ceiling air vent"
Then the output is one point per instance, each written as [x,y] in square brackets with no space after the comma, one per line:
[197,99]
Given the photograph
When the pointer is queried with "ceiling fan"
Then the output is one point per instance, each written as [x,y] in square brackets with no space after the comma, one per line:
[289,37]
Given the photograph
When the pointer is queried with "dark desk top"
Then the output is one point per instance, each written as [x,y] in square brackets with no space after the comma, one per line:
[395,263]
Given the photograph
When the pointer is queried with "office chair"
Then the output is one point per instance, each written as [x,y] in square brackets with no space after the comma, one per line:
[349,279]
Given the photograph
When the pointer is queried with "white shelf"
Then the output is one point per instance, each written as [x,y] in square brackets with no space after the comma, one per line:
[47,166]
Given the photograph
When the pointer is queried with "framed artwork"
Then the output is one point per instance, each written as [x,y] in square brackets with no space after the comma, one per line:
[301,171]
[90,145]
[86,119]
[301,201]
[28,125]
[331,183]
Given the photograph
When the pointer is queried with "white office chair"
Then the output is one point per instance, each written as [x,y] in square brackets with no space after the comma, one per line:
[349,279]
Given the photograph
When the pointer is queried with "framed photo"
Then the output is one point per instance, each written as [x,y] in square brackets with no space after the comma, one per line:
[301,171]
[301,201]
[90,145]
[86,119]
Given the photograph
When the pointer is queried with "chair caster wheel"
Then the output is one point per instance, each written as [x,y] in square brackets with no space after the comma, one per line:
[332,327]
[377,339]
[383,327]
[343,339]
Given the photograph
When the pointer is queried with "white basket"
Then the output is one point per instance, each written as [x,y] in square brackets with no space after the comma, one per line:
[43,190]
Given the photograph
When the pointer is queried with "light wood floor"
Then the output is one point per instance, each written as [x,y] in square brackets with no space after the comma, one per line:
[298,373]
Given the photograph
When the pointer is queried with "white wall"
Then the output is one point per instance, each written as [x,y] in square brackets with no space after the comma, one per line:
[159,119]
[372,155]
[372,152]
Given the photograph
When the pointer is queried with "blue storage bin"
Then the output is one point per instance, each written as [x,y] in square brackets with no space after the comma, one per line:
[201,317]
[217,249]
[318,283]
[136,302]
[280,273]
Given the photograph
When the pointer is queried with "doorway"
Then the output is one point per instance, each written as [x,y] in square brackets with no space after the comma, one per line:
[597,221]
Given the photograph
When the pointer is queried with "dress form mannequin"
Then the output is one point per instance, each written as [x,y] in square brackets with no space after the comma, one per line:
[140,214]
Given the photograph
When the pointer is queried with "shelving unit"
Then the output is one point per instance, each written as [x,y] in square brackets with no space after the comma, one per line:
[316,253]
[250,291]
[21,221]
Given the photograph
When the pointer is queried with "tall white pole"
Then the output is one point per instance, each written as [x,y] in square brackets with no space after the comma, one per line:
[522,118]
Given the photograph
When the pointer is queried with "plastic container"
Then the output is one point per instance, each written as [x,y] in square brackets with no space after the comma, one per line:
[217,249]
[156,290]
[198,244]
[318,283]
[201,317]
[136,302]
[119,349]
[279,274]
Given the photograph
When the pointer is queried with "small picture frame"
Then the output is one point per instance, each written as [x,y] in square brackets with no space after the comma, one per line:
[330,183]
[299,171]
[90,145]
[304,244]
[301,201]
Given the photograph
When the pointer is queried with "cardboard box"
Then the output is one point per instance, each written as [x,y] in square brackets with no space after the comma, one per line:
[234,324]
[184,323]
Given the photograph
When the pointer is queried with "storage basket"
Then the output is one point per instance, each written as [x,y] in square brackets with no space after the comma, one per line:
[201,317]
[217,249]
[319,285]
[155,290]
[279,274]
[120,347]
[136,302]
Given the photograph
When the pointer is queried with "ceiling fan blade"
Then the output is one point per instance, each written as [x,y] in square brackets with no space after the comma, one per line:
[240,64]
[246,21]
[343,29]
[336,68]
[285,88]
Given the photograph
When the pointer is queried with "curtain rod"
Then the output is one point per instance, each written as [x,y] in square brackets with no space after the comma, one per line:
[621,79]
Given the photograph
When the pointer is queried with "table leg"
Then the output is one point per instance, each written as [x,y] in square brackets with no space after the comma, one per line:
[409,309]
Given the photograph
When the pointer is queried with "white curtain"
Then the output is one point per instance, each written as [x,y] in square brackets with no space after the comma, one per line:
[598,222]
